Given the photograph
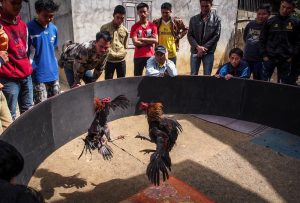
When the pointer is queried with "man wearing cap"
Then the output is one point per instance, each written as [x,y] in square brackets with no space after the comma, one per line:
[159,64]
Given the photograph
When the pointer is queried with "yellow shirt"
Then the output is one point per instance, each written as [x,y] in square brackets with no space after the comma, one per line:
[166,38]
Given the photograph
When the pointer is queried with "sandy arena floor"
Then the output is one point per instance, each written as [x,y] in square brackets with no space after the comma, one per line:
[219,162]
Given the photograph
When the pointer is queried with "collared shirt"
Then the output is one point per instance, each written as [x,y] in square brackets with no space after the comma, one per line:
[119,42]
[154,69]
[85,57]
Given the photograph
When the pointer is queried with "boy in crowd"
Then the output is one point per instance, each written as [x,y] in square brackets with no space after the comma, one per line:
[203,35]
[159,64]
[279,42]
[78,60]
[235,67]
[170,30]
[144,37]
[252,50]
[15,74]
[42,44]
[116,57]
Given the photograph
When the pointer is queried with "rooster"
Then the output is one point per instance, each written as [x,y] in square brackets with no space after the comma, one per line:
[163,132]
[95,137]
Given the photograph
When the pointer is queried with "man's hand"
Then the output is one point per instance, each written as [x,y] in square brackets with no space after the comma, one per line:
[228,76]
[289,60]
[4,56]
[217,75]
[266,58]
[75,85]
[1,86]
[201,51]
[166,56]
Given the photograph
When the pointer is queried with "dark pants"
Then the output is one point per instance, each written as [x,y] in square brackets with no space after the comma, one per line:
[256,68]
[295,72]
[139,64]
[283,69]
[87,77]
[174,59]
[110,68]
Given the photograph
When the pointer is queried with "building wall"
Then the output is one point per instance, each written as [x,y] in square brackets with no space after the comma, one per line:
[89,15]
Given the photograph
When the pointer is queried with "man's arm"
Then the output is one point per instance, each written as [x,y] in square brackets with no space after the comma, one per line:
[78,70]
[152,40]
[263,38]
[245,73]
[246,32]
[190,35]
[150,68]
[99,68]
[171,69]
[215,38]
[182,28]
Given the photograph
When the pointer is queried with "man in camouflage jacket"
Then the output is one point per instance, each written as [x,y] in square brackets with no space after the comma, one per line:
[78,60]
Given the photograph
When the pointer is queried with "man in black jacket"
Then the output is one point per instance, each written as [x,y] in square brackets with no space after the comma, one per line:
[279,42]
[203,35]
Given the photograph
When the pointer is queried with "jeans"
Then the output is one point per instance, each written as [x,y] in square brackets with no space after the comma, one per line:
[174,59]
[256,68]
[18,91]
[87,77]
[208,62]
[283,69]
[139,65]
[110,68]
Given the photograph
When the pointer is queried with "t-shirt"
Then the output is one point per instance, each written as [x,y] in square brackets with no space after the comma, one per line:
[252,50]
[42,44]
[138,31]
[166,38]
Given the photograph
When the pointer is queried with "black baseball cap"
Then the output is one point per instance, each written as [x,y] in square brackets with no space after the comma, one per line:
[161,49]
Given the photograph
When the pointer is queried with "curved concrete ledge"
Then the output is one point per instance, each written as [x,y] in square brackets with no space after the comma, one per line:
[53,123]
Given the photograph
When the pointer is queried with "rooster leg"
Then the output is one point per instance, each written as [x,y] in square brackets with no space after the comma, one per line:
[147,151]
[142,137]
[107,132]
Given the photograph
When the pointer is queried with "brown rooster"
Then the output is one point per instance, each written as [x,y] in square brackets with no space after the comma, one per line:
[163,132]
[99,128]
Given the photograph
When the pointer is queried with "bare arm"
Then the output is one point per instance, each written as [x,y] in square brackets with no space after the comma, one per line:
[137,42]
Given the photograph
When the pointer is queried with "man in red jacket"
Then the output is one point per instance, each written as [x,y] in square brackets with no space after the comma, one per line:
[15,74]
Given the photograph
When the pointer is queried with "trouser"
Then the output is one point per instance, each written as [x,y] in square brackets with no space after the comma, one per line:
[5,116]
[87,77]
[42,91]
[295,71]
[283,69]
[256,68]
[110,68]
[139,65]
[18,91]
[174,59]
[208,62]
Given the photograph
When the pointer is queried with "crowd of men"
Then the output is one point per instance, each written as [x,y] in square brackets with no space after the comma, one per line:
[29,69]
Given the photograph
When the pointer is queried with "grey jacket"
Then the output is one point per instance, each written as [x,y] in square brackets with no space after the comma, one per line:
[211,34]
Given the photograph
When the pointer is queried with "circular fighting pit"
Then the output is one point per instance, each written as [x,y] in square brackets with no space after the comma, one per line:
[221,163]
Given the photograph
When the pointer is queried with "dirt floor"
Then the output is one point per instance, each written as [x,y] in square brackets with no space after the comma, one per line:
[217,161]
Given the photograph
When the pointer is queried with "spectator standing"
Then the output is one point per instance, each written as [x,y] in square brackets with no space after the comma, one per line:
[43,41]
[15,74]
[116,57]
[170,30]
[235,67]
[159,64]
[203,36]
[295,72]
[78,60]
[279,42]
[252,50]
[144,37]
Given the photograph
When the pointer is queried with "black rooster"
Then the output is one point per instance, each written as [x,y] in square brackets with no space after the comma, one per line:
[163,132]
[95,137]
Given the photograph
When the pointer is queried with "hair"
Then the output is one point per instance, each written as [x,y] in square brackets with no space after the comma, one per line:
[266,7]
[11,161]
[120,9]
[142,5]
[166,6]
[46,5]
[236,51]
[210,1]
[292,2]
[103,35]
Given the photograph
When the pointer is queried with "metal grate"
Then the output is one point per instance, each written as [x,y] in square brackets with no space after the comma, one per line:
[252,5]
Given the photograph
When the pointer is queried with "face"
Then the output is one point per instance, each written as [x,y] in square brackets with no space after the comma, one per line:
[143,13]
[160,57]
[12,7]
[205,7]
[286,9]
[262,16]
[45,17]
[118,19]
[234,59]
[102,46]
[166,14]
